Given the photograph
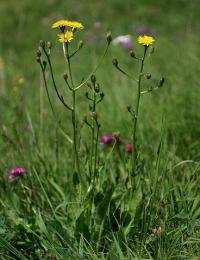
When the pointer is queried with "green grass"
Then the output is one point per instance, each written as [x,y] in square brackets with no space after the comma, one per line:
[43,214]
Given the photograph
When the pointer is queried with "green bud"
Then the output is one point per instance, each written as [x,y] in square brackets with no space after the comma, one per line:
[148,76]
[128,107]
[132,54]
[87,94]
[38,53]
[93,79]
[38,59]
[109,37]
[80,44]
[49,44]
[115,62]
[42,43]
[97,88]
[161,82]
[94,115]
[44,64]
[65,76]
[101,95]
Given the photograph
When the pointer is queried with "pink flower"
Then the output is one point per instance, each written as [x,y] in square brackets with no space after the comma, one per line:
[128,148]
[106,139]
[14,173]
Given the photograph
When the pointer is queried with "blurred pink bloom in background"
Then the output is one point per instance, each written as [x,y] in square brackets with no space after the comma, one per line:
[15,172]
[124,40]
[129,148]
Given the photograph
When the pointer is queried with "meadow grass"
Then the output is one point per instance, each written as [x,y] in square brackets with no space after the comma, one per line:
[44,214]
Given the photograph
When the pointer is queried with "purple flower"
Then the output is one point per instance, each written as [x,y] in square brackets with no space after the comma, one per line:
[128,45]
[106,139]
[14,173]
[124,40]
[128,148]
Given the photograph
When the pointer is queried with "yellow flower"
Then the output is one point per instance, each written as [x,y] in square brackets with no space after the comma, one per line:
[63,23]
[59,24]
[74,24]
[146,40]
[65,37]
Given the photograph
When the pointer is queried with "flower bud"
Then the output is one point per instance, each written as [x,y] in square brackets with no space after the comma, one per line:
[132,54]
[161,82]
[65,76]
[38,53]
[97,88]
[44,64]
[101,95]
[42,43]
[109,37]
[87,94]
[128,107]
[94,115]
[93,79]
[38,59]
[80,44]
[49,44]
[148,76]
[115,62]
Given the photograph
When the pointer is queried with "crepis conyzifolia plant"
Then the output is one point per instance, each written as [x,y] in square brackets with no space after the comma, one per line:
[68,30]
[146,41]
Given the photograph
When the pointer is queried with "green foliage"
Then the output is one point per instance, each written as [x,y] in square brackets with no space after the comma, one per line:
[46,214]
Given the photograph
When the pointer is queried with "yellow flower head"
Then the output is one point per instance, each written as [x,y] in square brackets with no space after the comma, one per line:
[146,40]
[64,23]
[74,24]
[65,37]
[59,24]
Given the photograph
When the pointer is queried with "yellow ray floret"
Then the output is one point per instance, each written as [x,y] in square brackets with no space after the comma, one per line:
[63,23]
[65,37]
[146,40]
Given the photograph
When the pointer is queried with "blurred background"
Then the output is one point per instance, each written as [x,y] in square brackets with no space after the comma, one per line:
[175,26]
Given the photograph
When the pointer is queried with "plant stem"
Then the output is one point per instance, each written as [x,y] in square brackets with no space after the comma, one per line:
[74,123]
[135,118]
[92,137]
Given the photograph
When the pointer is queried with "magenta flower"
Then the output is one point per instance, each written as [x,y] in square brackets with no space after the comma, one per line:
[14,173]
[106,139]
[128,148]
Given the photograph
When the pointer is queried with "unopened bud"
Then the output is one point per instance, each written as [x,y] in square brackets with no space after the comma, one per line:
[93,79]
[80,44]
[109,37]
[38,53]
[42,43]
[38,59]
[94,115]
[148,76]
[87,94]
[101,95]
[65,76]
[44,64]
[97,88]
[128,107]
[115,62]
[132,54]
[49,44]
[161,82]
